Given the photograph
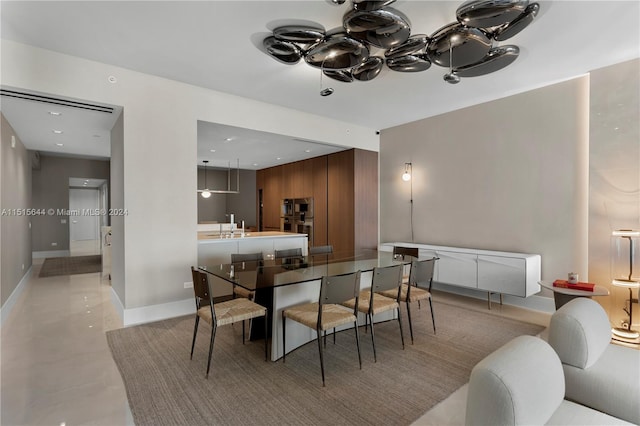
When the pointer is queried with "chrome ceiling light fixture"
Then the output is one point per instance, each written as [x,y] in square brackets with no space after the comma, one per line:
[370,26]
[326,91]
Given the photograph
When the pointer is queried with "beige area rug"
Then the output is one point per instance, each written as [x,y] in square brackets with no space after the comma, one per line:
[71,265]
[165,388]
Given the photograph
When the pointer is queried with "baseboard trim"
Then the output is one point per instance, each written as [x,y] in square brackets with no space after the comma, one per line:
[50,253]
[534,303]
[6,309]
[146,314]
[117,303]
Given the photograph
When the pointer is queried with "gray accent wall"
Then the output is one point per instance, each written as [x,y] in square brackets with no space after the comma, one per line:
[51,191]
[509,175]
[15,235]
[216,207]
[243,205]
[614,173]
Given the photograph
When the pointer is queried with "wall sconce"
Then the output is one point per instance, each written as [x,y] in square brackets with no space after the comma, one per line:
[406,176]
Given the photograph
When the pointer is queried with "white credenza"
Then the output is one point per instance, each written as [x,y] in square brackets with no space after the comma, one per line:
[514,274]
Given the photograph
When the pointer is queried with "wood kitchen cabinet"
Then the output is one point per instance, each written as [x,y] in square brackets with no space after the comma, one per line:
[344,187]
[271,195]
[352,199]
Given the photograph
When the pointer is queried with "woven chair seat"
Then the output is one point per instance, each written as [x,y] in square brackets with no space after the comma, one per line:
[380,303]
[417,293]
[231,311]
[243,292]
[332,315]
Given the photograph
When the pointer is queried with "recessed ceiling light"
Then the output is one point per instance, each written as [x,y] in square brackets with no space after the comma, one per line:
[278,158]
[57,132]
[212,150]
[307,150]
[228,139]
[255,164]
[56,113]
[59,144]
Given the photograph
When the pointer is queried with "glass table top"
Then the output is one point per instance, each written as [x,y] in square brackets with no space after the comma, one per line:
[269,273]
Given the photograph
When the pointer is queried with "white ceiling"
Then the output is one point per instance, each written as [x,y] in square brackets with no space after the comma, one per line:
[217,45]
[225,146]
[77,182]
[38,126]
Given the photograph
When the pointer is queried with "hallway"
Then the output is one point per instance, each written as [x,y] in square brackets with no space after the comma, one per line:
[56,366]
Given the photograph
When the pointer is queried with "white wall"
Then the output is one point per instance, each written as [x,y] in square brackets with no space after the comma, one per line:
[614,173]
[510,174]
[160,118]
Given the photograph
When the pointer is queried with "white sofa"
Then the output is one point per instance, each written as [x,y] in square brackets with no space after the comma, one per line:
[597,373]
[522,383]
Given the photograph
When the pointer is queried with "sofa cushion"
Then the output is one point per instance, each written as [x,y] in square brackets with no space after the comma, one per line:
[611,385]
[520,383]
[580,332]
[570,413]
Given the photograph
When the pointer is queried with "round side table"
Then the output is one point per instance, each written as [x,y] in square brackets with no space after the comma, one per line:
[562,295]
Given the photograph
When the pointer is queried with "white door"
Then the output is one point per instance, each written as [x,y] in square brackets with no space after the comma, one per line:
[85,225]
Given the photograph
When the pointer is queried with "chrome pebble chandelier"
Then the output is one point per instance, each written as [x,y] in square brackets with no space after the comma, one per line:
[467,47]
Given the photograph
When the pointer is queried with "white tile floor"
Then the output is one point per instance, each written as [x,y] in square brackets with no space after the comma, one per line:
[56,366]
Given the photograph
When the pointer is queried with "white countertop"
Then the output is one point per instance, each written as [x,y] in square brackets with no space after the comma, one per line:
[214,237]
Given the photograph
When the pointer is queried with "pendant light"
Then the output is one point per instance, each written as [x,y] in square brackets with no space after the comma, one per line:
[206,193]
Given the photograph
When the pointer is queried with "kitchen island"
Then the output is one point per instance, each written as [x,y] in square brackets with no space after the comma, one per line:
[216,248]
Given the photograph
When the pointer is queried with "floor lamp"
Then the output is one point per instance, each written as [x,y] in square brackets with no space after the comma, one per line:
[624,276]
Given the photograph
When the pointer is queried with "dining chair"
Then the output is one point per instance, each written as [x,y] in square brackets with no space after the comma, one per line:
[388,278]
[320,250]
[328,312]
[244,257]
[418,288]
[223,313]
[403,253]
[295,252]
[406,251]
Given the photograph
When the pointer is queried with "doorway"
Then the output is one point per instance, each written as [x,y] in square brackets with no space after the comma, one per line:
[87,212]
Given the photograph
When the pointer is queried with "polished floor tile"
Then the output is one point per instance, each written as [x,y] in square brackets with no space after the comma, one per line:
[56,365]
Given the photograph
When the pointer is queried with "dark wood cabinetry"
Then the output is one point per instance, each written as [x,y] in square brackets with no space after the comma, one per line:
[344,187]
[271,194]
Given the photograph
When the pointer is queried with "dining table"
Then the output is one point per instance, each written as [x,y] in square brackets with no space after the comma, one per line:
[281,283]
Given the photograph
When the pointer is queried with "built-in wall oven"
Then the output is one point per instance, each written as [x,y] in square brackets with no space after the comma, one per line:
[297,216]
